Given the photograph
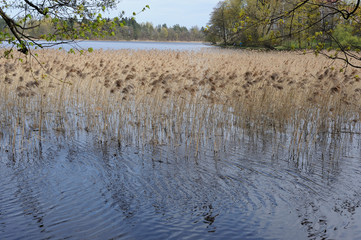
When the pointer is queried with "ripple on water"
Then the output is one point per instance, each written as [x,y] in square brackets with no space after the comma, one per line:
[81,190]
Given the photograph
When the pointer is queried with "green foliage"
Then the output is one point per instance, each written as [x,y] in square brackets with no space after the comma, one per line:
[113,29]
[344,34]
[225,21]
[285,24]
[54,21]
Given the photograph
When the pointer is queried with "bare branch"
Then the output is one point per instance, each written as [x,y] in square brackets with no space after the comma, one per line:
[12,26]
[41,11]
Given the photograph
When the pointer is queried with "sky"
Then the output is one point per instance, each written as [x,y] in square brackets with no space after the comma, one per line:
[186,13]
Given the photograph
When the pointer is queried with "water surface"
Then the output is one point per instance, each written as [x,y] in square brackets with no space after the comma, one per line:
[236,185]
[82,188]
[133,45]
[140,45]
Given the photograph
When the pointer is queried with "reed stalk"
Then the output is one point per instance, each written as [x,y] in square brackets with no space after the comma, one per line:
[175,98]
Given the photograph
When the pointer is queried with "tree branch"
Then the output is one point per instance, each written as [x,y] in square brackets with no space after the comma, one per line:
[41,11]
[12,26]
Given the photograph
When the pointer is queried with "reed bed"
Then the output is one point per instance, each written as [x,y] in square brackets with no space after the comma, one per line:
[177,98]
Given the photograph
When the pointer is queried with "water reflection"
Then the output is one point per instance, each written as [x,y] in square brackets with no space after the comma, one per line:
[247,187]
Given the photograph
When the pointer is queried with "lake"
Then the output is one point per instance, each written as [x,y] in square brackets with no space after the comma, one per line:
[112,156]
[134,45]
[78,188]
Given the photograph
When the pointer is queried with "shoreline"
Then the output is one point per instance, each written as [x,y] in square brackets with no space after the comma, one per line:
[147,41]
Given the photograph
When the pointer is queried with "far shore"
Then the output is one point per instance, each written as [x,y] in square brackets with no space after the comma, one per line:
[108,40]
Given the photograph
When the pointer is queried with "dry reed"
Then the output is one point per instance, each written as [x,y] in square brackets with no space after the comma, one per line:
[168,97]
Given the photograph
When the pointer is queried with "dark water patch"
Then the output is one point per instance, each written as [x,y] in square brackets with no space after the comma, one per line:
[83,188]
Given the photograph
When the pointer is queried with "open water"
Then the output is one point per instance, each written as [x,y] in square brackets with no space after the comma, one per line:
[82,188]
[134,45]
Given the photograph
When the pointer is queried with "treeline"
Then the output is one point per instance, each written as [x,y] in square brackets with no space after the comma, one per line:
[132,30]
[123,29]
[285,23]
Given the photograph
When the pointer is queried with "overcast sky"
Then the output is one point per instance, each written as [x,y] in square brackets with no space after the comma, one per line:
[183,12]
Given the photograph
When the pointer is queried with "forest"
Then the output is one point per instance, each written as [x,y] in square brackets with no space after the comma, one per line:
[317,24]
[122,29]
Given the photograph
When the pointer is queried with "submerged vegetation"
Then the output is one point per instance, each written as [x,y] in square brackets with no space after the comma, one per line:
[188,100]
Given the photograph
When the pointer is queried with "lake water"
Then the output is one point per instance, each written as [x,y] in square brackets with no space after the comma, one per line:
[134,45]
[80,188]
[106,45]
[240,186]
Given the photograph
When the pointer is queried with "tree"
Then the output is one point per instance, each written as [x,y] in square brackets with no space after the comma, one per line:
[328,27]
[61,16]
[164,32]
[331,14]
[219,25]
[316,24]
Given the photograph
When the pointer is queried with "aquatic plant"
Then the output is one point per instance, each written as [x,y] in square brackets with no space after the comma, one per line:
[178,98]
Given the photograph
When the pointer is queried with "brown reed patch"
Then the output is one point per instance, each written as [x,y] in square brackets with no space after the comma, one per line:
[167,91]
[150,84]
[279,87]
[129,77]
[274,76]
[118,83]
[24,92]
[107,83]
[335,89]
[8,80]
[32,84]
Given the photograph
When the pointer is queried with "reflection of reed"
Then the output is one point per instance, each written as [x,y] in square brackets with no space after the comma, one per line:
[231,186]
[28,196]
[167,97]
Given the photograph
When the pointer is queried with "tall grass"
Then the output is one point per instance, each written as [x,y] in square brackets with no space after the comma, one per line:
[178,98]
